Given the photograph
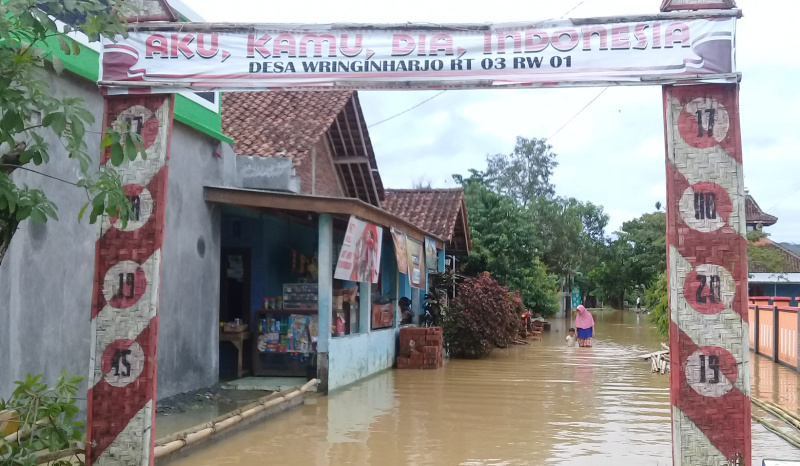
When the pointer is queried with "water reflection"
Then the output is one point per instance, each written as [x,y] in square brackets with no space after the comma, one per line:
[527,405]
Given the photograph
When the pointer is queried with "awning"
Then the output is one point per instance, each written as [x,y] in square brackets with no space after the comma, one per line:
[269,200]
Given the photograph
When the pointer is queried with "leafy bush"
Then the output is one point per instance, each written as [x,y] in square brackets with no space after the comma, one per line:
[656,299]
[46,420]
[482,316]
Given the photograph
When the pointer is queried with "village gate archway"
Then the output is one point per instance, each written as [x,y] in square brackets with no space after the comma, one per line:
[689,49]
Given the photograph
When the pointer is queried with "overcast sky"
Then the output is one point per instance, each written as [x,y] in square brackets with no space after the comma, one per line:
[613,153]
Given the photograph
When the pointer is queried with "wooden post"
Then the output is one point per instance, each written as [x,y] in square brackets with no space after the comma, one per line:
[757,322]
[776,333]
[324,297]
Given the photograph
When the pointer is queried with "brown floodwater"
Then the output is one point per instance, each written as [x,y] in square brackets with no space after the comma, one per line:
[527,405]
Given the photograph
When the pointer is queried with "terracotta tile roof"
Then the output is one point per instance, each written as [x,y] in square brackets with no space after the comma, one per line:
[754,214]
[270,123]
[438,211]
[792,259]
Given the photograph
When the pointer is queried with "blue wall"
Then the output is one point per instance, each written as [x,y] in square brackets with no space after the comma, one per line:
[271,241]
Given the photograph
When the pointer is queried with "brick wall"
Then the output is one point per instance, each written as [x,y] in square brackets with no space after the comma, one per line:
[326,177]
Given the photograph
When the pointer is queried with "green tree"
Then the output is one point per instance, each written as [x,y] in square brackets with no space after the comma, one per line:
[570,233]
[656,300]
[634,260]
[525,173]
[762,255]
[32,116]
[46,420]
[504,244]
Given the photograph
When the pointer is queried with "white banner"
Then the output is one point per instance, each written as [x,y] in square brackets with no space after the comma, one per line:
[570,52]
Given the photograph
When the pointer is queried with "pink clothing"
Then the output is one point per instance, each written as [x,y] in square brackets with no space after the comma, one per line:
[584,318]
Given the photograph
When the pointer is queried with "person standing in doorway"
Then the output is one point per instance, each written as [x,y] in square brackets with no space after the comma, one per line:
[584,322]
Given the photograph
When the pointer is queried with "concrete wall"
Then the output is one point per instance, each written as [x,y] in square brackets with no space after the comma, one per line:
[354,357]
[46,275]
[188,349]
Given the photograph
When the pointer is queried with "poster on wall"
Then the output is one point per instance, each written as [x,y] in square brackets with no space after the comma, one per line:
[431,257]
[360,257]
[399,238]
[414,263]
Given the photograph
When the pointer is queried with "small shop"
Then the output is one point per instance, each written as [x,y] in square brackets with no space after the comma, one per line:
[310,286]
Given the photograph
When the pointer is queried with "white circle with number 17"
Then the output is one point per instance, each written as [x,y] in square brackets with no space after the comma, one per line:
[705,376]
[711,117]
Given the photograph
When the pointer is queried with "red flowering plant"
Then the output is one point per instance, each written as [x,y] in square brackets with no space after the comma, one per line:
[483,315]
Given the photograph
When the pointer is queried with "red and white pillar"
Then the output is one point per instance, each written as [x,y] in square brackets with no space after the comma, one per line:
[707,267]
[122,378]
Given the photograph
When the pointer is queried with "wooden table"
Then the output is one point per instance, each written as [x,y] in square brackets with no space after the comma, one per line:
[237,339]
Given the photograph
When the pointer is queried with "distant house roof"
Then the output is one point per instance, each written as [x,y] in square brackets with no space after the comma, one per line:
[442,212]
[290,124]
[755,215]
[792,259]
[774,278]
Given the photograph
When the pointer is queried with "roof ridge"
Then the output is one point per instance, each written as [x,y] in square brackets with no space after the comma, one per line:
[782,248]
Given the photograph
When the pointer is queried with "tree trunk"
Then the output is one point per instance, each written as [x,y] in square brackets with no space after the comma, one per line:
[8,226]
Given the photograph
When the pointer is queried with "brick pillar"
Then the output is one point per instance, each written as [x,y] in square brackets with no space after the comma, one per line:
[124,319]
[707,262]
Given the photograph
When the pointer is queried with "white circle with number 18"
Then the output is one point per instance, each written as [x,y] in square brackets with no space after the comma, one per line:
[700,216]
[705,376]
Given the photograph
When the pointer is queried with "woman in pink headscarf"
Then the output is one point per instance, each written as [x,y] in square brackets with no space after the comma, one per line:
[584,322]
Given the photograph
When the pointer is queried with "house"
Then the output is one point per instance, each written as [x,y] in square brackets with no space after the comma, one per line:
[443,212]
[762,282]
[262,190]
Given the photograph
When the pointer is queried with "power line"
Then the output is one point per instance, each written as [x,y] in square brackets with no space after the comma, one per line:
[784,199]
[573,8]
[577,114]
[407,110]
[19,167]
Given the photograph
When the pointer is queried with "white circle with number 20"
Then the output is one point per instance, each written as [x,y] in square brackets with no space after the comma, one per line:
[705,376]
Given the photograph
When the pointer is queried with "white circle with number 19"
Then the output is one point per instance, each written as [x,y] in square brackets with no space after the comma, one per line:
[705,376]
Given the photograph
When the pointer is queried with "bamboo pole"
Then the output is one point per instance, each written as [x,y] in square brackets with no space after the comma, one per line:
[781,408]
[794,441]
[777,412]
[175,442]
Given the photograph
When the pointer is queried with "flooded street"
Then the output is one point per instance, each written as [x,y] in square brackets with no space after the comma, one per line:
[527,405]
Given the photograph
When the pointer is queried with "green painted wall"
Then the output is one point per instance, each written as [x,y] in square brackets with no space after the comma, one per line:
[188,112]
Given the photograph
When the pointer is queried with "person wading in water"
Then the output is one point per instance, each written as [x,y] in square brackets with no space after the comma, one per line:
[584,322]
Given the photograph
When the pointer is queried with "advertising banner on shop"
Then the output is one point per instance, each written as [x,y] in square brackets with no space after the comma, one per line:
[615,51]
[415,263]
[431,257]
[360,257]
[399,238]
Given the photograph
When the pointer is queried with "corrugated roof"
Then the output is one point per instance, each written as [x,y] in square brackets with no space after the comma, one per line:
[440,211]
